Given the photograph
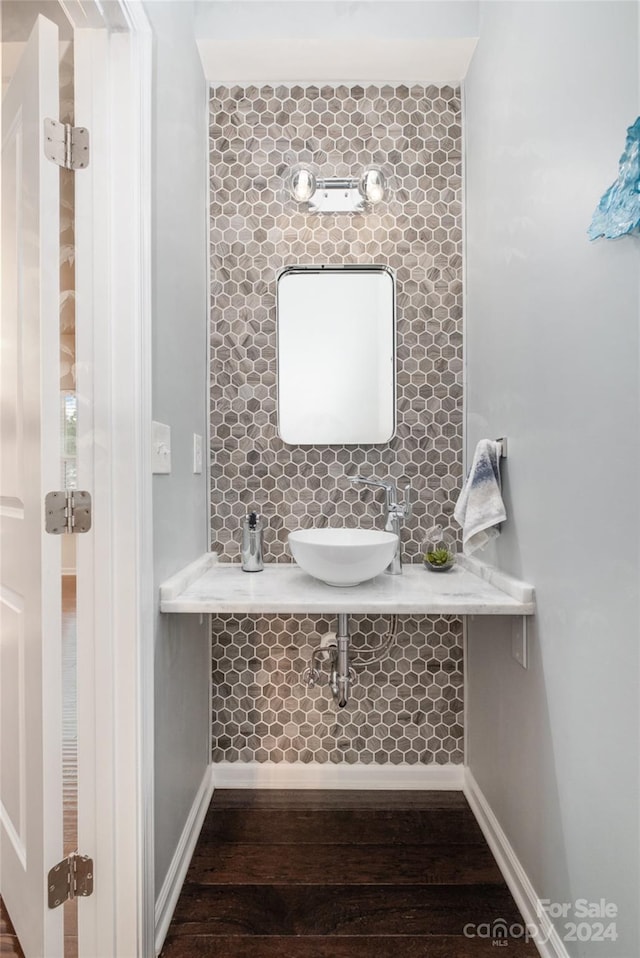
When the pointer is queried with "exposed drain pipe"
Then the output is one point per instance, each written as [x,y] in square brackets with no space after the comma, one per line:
[341,676]
[342,670]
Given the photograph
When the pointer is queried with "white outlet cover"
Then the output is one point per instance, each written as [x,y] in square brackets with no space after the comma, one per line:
[519,648]
[161,448]
[197,454]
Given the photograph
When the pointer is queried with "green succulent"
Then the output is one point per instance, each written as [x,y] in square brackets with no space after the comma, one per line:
[438,557]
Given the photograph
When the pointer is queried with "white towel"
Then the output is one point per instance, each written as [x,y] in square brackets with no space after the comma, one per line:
[480,508]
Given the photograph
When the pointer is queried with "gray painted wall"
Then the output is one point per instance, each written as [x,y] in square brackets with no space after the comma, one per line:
[179,398]
[552,347]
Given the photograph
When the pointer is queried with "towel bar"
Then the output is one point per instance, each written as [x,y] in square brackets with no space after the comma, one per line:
[503,447]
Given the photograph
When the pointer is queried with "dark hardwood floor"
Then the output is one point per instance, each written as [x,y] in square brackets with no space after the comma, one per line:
[9,944]
[331,874]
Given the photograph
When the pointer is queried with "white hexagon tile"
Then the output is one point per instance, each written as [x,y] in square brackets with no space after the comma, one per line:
[408,708]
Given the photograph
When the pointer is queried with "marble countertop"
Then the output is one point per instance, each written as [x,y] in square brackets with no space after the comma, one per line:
[470,588]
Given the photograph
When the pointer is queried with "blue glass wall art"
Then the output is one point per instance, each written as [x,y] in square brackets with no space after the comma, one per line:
[618,211]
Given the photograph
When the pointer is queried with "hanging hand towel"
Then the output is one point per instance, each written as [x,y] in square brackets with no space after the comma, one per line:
[480,508]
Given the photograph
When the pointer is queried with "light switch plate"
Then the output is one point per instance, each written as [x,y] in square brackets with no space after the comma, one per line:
[197,454]
[519,648]
[161,448]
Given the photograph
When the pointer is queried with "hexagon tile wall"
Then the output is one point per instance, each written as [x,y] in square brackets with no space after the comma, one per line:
[408,708]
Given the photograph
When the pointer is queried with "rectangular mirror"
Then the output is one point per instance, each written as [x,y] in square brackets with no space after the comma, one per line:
[336,355]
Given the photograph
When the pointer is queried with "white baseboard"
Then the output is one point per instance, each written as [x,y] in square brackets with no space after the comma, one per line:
[172,885]
[548,941]
[321,775]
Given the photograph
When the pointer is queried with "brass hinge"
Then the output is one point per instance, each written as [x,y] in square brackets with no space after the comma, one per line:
[67,511]
[66,145]
[70,878]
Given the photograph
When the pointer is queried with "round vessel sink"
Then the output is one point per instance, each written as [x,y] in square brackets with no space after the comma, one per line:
[343,557]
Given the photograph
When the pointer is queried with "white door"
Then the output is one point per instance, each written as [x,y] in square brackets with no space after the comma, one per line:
[30,660]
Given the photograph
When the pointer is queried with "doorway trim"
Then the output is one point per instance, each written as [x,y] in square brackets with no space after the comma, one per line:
[115,575]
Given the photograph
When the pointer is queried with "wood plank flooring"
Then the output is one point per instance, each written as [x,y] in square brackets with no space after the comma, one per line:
[9,944]
[340,874]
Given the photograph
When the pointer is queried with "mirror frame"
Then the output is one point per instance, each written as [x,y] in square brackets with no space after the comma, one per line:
[342,268]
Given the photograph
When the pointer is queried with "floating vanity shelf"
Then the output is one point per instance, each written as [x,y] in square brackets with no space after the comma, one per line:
[471,588]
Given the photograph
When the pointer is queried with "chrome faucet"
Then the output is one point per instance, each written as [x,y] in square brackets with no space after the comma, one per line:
[397,512]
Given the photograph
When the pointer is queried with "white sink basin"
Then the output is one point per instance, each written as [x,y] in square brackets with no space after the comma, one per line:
[342,557]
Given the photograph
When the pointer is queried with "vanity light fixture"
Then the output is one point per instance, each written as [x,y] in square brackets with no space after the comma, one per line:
[337,194]
[372,185]
[302,184]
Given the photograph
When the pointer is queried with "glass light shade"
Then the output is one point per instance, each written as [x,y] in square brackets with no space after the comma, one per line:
[302,185]
[372,185]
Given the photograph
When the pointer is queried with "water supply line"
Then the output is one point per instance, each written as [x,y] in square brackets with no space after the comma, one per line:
[381,651]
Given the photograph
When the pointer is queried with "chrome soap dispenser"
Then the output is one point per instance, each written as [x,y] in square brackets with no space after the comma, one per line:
[252,529]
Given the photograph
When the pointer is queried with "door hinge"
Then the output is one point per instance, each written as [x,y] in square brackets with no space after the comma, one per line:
[70,878]
[67,511]
[66,145]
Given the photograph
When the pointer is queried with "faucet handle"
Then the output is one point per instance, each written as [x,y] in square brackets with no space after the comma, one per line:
[408,496]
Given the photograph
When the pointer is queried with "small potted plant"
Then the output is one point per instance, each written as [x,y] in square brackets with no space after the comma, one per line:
[439,550]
